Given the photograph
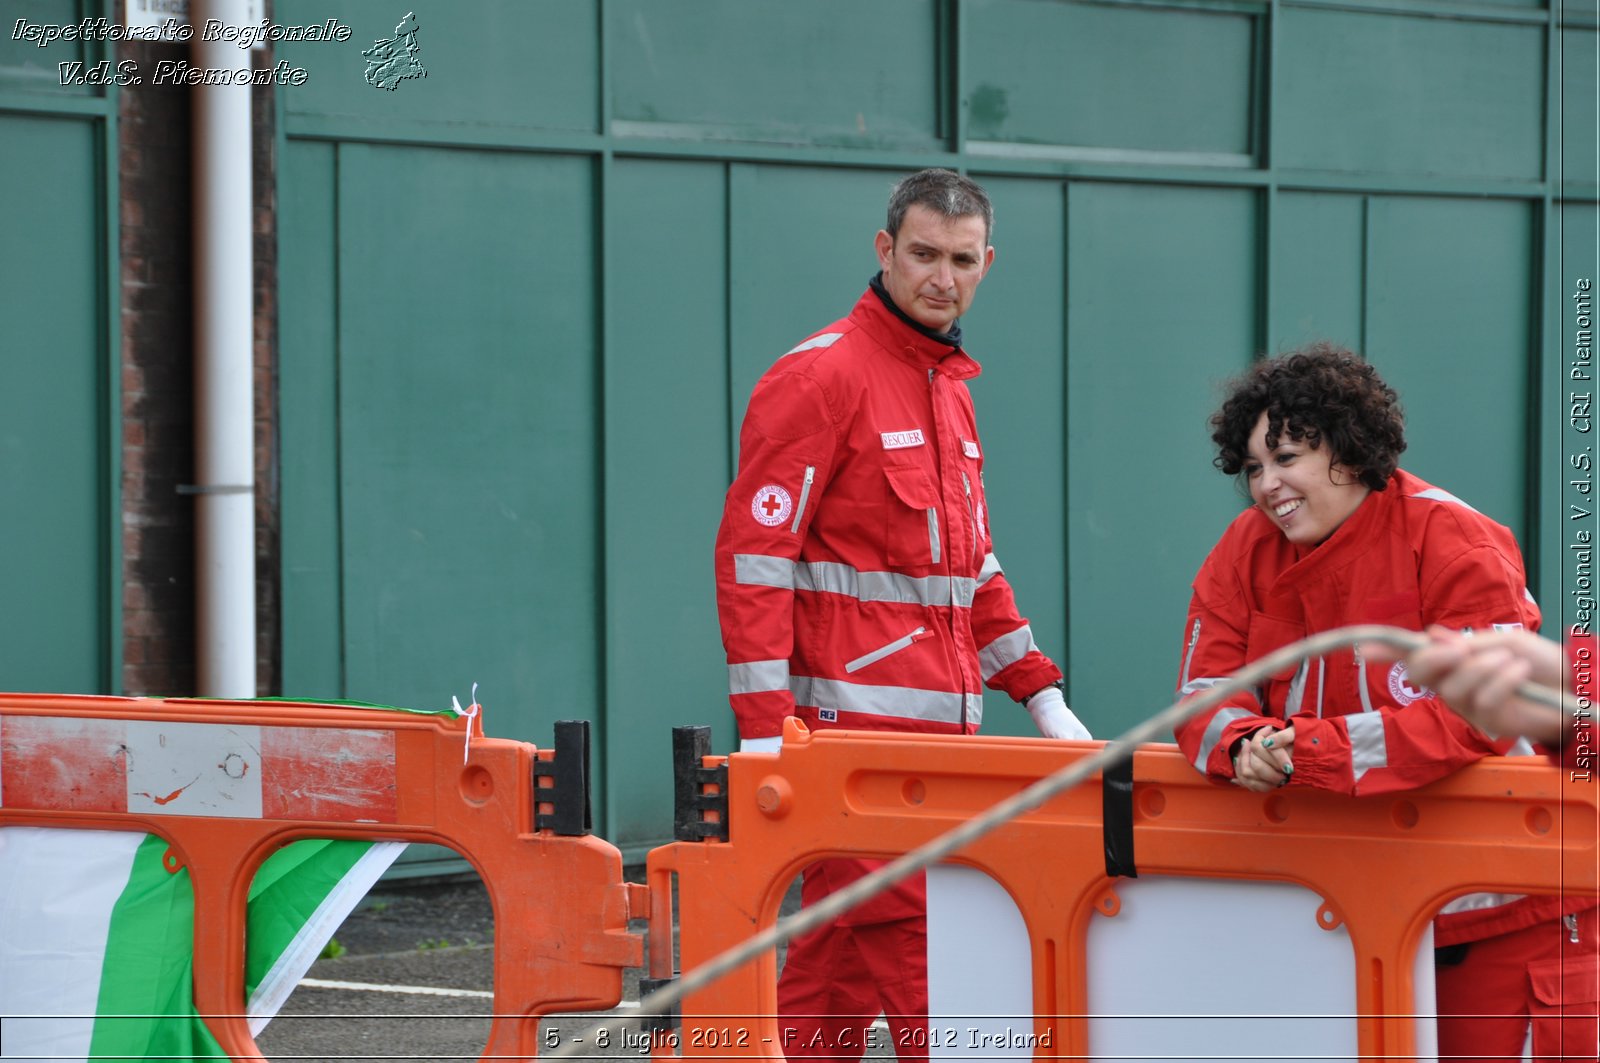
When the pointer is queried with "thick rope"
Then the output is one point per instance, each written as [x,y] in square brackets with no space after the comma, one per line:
[1035,795]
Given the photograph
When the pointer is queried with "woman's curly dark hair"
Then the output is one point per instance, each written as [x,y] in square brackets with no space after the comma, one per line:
[1321,394]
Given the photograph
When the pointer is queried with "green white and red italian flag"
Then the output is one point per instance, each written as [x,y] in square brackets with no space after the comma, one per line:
[97,935]
[96,939]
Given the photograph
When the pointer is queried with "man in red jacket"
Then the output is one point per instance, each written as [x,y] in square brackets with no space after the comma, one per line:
[857,583]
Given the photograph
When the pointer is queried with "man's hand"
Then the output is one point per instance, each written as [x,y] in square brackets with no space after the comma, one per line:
[1477,677]
[1265,760]
[1049,711]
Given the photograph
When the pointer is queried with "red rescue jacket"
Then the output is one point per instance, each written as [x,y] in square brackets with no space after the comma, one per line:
[856,580]
[1411,555]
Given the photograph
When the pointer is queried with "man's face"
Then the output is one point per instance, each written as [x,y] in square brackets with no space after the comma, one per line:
[931,269]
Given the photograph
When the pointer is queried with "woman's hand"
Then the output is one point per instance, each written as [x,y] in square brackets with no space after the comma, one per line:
[1265,760]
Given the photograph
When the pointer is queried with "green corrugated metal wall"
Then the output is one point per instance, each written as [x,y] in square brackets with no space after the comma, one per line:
[59,472]
[524,301]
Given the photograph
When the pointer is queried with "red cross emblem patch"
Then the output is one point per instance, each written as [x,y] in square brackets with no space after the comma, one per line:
[1402,689]
[771,506]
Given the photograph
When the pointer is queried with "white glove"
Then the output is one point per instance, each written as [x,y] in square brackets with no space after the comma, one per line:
[1049,711]
[766,745]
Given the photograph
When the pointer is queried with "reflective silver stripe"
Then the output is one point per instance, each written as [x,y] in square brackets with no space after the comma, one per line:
[805,493]
[1322,673]
[883,651]
[758,677]
[1213,734]
[991,569]
[1188,658]
[1436,495]
[827,339]
[1194,686]
[1368,748]
[1521,748]
[833,577]
[933,533]
[1005,651]
[763,570]
[1297,688]
[1472,902]
[906,703]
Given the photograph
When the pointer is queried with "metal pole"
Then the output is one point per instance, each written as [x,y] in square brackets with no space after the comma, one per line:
[225,585]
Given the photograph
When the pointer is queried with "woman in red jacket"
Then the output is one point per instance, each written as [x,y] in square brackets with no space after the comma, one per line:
[1338,534]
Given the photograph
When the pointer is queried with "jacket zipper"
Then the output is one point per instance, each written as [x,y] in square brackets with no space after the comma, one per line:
[884,651]
[1361,680]
[805,493]
[933,511]
[972,515]
[1571,919]
[933,527]
[1188,657]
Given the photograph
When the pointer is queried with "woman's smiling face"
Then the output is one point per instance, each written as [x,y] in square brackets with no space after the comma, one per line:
[1299,487]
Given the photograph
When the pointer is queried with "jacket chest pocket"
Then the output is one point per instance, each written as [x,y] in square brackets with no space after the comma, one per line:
[1268,633]
[911,533]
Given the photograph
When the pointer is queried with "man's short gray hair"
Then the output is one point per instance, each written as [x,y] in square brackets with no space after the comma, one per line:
[944,192]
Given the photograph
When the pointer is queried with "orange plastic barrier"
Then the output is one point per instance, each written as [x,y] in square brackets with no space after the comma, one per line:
[1382,865]
[289,771]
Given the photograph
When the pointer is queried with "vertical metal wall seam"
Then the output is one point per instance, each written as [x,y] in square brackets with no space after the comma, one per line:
[1544,300]
[110,343]
[1366,268]
[734,417]
[341,625]
[602,177]
[1066,432]
[954,25]
[1266,67]
[280,162]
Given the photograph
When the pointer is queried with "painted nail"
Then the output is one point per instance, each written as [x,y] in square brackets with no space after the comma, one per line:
[1266,743]
[1288,769]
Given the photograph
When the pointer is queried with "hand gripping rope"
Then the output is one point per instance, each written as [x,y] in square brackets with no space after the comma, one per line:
[1113,753]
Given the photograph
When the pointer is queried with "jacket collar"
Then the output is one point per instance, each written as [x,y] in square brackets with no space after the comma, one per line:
[909,340]
[1350,541]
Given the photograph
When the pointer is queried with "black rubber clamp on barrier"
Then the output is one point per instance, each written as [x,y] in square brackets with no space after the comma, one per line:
[1116,804]
[690,801]
[568,772]
[658,1023]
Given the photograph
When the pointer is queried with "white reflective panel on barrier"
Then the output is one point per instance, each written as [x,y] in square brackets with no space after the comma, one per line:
[980,969]
[1224,968]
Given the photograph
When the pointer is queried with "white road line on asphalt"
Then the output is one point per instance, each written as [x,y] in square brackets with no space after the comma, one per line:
[417,990]
[408,990]
[437,991]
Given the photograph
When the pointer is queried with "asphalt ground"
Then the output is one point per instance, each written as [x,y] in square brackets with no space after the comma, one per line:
[414,981]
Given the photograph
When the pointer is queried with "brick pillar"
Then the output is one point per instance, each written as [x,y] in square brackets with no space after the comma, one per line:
[265,195]
[158,618]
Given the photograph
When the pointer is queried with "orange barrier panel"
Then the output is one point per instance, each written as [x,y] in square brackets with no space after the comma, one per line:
[256,776]
[1382,865]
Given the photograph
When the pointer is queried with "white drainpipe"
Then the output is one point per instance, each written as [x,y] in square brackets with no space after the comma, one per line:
[225,531]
